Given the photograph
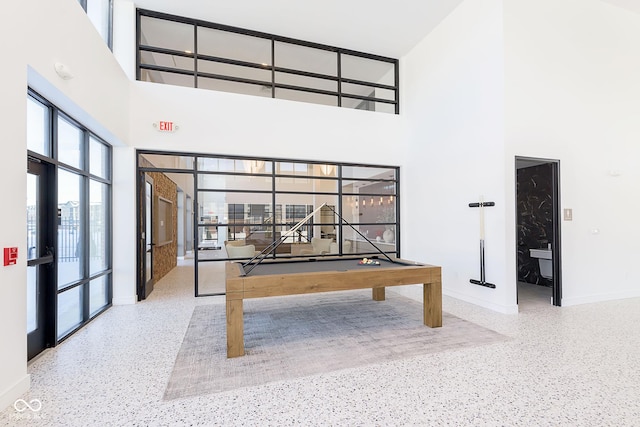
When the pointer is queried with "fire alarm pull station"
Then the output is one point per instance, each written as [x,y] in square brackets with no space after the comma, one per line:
[10,256]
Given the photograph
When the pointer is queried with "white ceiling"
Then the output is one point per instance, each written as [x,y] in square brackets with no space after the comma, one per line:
[631,5]
[373,26]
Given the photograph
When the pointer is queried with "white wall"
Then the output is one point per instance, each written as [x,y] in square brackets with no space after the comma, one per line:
[13,350]
[563,82]
[573,94]
[223,123]
[453,101]
[35,35]
[124,226]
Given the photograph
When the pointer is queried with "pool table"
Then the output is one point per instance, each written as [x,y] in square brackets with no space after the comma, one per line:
[274,277]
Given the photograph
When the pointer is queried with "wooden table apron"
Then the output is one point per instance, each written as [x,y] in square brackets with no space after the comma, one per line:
[239,287]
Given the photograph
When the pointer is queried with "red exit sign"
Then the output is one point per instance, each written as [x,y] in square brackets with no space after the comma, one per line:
[165,126]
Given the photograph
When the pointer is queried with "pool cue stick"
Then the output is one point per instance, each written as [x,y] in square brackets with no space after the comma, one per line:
[274,245]
[362,235]
[482,281]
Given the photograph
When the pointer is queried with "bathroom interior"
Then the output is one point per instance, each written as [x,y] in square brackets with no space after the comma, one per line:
[534,193]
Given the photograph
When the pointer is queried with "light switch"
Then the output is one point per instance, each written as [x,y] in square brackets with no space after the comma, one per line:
[568,214]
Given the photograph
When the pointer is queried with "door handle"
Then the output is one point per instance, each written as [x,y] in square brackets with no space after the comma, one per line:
[48,258]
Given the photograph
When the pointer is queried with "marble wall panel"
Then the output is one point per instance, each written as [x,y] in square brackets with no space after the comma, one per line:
[534,215]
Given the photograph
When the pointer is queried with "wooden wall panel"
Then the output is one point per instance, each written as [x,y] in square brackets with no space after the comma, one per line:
[165,257]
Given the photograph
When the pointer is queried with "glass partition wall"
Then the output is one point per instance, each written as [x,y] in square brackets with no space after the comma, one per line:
[239,201]
[192,53]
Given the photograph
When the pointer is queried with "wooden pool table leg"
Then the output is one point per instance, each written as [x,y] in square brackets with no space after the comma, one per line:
[235,328]
[378,294]
[432,301]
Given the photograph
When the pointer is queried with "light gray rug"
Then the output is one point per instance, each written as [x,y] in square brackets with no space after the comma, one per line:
[295,336]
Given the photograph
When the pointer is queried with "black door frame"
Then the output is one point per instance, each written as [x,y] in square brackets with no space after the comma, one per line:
[45,334]
[555,247]
[144,287]
[555,223]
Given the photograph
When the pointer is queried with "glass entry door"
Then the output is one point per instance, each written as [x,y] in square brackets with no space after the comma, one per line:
[41,267]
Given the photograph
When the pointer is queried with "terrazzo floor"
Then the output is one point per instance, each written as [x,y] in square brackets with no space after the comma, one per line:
[532,297]
[571,366]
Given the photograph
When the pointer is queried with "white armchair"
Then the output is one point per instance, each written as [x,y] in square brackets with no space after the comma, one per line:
[319,247]
[246,251]
[346,247]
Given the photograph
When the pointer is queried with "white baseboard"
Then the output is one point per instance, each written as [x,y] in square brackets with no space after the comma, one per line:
[504,309]
[128,300]
[13,393]
[415,292]
[589,299]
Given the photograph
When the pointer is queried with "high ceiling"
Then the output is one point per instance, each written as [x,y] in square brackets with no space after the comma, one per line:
[377,27]
[373,26]
[631,5]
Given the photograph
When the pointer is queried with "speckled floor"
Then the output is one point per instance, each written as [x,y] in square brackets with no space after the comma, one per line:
[573,366]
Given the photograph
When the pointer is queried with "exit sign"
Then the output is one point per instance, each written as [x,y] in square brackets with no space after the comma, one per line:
[165,126]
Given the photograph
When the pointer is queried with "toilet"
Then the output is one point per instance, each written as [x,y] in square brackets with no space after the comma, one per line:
[544,260]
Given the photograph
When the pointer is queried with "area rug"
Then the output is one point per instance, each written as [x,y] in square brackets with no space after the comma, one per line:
[295,336]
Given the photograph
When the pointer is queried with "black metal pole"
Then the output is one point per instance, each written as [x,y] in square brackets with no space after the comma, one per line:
[482,276]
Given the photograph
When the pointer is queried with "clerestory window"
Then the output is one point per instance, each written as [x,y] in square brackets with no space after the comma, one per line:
[192,53]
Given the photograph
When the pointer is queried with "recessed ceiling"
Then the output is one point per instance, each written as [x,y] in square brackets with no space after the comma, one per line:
[378,27]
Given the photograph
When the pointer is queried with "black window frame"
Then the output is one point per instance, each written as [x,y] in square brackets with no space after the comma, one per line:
[273,224]
[366,102]
[84,211]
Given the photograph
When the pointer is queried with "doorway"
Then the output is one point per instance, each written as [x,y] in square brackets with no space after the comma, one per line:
[538,251]
[163,206]
[41,265]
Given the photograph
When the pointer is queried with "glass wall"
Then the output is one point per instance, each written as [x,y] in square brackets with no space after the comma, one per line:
[83,229]
[186,52]
[256,202]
